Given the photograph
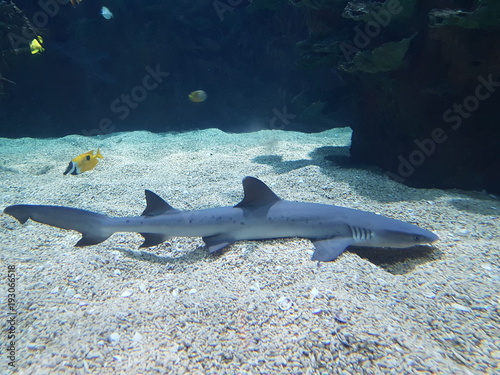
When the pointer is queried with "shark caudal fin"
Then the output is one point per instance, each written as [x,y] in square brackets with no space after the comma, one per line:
[92,226]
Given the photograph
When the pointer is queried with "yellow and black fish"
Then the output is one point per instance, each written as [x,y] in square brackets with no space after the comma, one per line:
[84,162]
[36,45]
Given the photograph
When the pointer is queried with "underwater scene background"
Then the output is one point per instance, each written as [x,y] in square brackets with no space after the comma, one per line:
[387,106]
[416,81]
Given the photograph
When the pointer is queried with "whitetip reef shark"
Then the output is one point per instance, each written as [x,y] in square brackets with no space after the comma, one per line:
[260,215]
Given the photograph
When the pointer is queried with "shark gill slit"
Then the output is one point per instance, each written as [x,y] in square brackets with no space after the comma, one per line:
[360,234]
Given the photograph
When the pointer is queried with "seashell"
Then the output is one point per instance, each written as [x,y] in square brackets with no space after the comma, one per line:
[127,293]
[487,266]
[55,290]
[255,287]
[114,338]
[339,318]
[314,293]
[460,307]
[284,303]
[93,354]
[137,337]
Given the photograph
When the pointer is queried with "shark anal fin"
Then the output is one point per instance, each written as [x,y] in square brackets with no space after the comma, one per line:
[153,239]
[91,239]
[329,249]
[217,242]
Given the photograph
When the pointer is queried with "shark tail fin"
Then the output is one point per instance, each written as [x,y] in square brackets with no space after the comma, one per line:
[91,225]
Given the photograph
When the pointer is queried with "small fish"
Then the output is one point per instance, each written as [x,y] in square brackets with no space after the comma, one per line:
[106,13]
[75,2]
[84,162]
[198,96]
[36,45]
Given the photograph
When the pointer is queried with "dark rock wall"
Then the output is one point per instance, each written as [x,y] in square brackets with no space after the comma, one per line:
[427,84]
[434,124]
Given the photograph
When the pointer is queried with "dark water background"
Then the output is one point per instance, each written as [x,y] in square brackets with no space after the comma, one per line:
[90,78]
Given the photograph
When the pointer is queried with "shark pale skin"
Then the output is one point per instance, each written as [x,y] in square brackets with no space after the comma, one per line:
[260,215]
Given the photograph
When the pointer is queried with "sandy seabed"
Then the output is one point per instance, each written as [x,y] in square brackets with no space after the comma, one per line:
[260,307]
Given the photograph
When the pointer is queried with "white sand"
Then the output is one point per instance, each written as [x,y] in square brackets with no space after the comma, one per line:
[176,309]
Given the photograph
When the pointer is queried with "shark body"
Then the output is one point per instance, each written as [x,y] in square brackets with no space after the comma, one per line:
[260,215]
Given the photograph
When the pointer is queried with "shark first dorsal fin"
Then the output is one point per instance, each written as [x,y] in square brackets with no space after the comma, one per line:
[257,194]
[156,206]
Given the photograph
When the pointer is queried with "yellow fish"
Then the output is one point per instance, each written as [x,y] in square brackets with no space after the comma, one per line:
[84,162]
[198,96]
[36,45]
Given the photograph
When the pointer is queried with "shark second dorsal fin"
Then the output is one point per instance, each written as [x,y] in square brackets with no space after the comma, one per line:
[156,206]
[257,194]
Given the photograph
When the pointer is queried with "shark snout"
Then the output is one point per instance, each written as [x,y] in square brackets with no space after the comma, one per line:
[424,236]
[432,237]
[404,238]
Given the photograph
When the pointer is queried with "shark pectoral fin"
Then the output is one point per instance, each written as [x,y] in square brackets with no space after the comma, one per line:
[22,212]
[327,250]
[153,239]
[217,242]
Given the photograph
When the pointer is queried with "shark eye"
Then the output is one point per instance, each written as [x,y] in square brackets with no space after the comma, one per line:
[417,238]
